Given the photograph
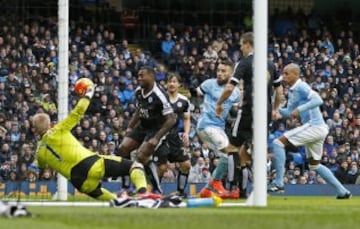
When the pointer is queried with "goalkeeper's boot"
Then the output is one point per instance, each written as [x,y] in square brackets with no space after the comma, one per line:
[275,189]
[206,193]
[218,188]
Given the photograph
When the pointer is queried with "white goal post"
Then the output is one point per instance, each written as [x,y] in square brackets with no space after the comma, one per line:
[259,195]
[63,81]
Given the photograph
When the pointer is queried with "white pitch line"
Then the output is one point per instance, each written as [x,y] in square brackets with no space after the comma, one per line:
[94,204]
[63,204]
[232,204]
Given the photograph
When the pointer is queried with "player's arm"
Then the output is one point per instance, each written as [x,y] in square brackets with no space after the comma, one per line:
[204,88]
[286,111]
[278,90]
[187,125]
[133,121]
[168,124]
[314,100]
[229,88]
[75,115]
[292,104]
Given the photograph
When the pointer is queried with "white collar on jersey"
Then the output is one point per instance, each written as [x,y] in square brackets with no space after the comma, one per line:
[174,98]
[294,85]
[149,93]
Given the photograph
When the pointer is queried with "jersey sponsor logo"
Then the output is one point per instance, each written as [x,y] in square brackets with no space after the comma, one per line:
[144,113]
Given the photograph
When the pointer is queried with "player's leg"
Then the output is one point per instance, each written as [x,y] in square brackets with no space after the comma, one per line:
[233,172]
[314,153]
[178,154]
[86,175]
[129,143]
[241,137]
[118,166]
[296,137]
[279,145]
[159,156]
[217,140]
[181,157]
[183,175]
[161,170]
[245,171]
[233,165]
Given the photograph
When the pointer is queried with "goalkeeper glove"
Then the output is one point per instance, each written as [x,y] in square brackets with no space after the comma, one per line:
[90,91]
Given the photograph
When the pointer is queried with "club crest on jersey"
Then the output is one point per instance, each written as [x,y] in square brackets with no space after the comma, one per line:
[179,104]
[150,99]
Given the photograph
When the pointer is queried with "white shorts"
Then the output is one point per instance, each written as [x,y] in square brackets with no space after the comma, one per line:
[312,137]
[215,138]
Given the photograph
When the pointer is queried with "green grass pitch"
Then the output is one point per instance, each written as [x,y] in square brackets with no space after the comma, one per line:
[281,213]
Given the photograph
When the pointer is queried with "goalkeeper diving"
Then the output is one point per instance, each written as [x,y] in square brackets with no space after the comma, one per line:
[58,149]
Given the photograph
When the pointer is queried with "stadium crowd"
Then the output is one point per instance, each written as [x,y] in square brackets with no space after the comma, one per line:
[330,62]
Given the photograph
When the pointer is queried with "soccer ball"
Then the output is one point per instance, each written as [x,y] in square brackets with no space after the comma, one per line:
[82,85]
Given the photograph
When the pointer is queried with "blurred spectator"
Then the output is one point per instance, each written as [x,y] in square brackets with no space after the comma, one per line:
[166,46]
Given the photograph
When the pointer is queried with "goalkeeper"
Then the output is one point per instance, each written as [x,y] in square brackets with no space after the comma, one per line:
[58,149]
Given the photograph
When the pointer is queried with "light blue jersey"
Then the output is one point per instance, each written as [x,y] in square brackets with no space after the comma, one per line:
[212,92]
[302,97]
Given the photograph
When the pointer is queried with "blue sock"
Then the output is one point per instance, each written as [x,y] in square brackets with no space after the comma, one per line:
[279,164]
[330,178]
[220,170]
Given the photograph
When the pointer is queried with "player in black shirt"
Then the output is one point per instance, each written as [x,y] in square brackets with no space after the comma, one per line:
[178,137]
[149,125]
[243,134]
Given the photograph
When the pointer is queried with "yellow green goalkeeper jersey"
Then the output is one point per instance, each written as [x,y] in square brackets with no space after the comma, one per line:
[58,148]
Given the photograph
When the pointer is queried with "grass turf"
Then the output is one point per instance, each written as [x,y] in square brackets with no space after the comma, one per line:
[281,213]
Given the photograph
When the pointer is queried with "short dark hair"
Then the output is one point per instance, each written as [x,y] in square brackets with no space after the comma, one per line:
[227,62]
[150,70]
[174,75]
[248,37]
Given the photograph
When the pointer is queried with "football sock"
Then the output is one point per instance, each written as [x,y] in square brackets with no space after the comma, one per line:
[244,179]
[125,182]
[220,170]
[233,170]
[279,162]
[182,181]
[151,171]
[137,177]
[329,177]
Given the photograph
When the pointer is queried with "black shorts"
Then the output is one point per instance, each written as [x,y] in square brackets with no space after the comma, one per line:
[241,132]
[177,152]
[112,166]
[79,172]
[141,134]
[160,155]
